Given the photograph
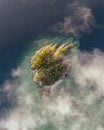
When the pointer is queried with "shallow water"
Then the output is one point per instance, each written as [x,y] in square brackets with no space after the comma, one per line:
[75,103]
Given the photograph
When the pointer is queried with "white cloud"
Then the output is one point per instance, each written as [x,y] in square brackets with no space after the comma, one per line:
[79,20]
[75,103]
[89,69]
[11,86]
[15,72]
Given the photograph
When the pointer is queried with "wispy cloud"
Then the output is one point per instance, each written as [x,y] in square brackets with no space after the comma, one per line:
[79,20]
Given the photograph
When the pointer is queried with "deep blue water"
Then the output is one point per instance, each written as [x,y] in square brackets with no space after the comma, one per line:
[93,40]
[13,46]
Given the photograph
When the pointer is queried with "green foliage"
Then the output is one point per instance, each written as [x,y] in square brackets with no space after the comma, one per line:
[48,63]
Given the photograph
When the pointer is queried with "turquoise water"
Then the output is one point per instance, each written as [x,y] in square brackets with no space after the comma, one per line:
[72,105]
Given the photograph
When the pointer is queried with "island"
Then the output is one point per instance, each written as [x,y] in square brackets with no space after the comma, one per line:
[50,63]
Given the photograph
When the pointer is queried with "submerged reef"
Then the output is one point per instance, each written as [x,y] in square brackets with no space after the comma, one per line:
[50,63]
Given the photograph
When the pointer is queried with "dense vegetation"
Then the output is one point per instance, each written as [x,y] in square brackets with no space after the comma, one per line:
[49,63]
